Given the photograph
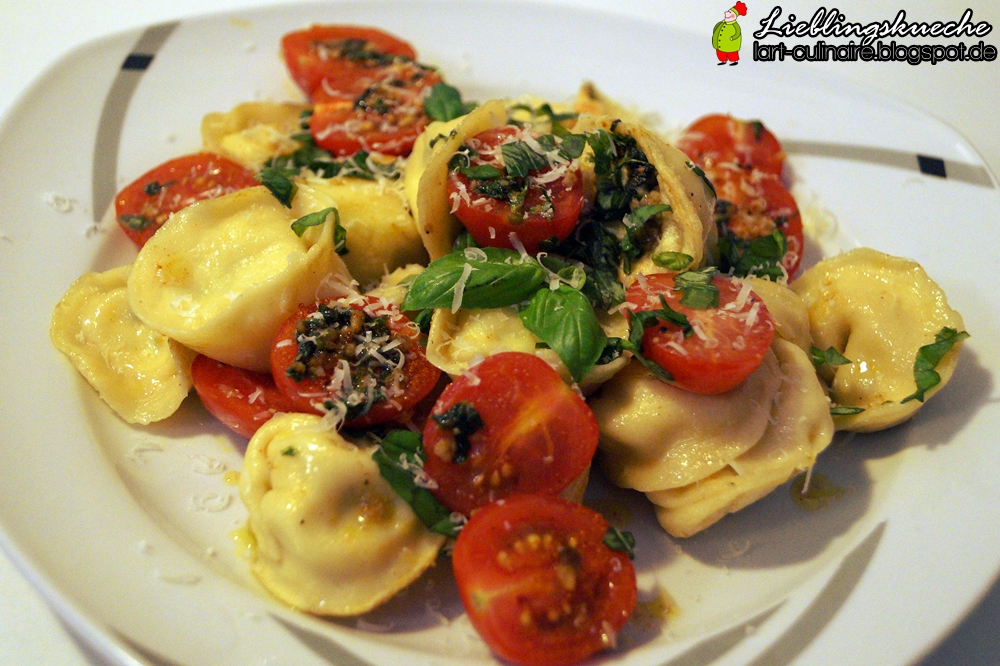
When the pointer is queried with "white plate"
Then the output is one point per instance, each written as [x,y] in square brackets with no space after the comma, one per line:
[127,530]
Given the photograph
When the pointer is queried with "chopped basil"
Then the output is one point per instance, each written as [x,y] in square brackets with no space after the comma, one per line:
[154,187]
[135,222]
[829,356]
[317,218]
[519,158]
[698,292]
[281,186]
[635,232]
[423,320]
[818,494]
[634,344]
[599,253]
[649,318]
[840,410]
[624,542]
[445,103]
[760,256]
[500,279]
[481,172]
[709,187]
[675,261]
[928,357]
[758,130]
[462,421]
[399,461]
[564,319]
[290,451]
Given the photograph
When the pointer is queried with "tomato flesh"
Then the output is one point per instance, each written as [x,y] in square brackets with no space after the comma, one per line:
[340,55]
[383,114]
[536,433]
[726,345]
[144,205]
[538,582]
[542,206]
[241,399]
[358,356]
[716,138]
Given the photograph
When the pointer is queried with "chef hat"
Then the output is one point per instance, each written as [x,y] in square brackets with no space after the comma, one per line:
[740,9]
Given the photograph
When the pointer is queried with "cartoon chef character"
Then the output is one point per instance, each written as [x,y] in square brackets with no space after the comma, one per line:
[726,36]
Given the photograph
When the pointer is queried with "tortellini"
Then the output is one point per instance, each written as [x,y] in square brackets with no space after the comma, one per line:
[140,373]
[253,132]
[426,178]
[700,457]
[330,535]
[222,275]
[688,227]
[381,233]
[877,310]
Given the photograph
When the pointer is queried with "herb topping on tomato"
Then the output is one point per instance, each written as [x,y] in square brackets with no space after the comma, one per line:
[509,425]
[709,332]
[539,583]
[716,139]
[360,359]
[145,205]
[509,181]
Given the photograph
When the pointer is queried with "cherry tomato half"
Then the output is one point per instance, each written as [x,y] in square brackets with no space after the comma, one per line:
[509,425]
[340,54]
[545,204]
[241,399]
[725,344]
[359,356]
[717,138]
[538,582]
[144,205]
[384,115]
[752,204]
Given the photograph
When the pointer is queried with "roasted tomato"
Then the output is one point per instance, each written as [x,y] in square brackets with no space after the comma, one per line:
[719,346]
[538,582]
[144,205]
[500,184]
[241,399]
[344,56]
[716,139]
[752,205]
[509,425]
[359,358]
[384,114]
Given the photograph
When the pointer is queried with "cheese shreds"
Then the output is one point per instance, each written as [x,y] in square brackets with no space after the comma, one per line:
[456,300]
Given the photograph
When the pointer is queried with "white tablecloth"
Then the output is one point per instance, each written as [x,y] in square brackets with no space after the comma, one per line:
[35,33]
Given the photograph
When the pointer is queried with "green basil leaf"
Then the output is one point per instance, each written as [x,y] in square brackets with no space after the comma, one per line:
[841,410]
[399,460]
[829,356]
[481,172]
[709,187]
[520,158]
[564,319]
[623,542]
[281,186]
[638,323]
[316,219]
[698,292]
[445,103]
[499,279]
[675,261]
[928,357]
[135,222]
[572,146]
